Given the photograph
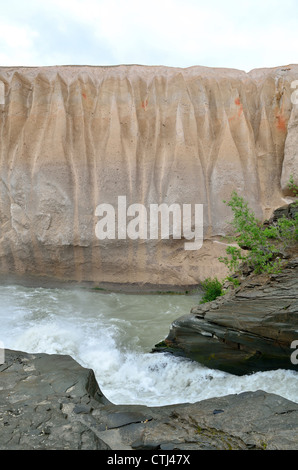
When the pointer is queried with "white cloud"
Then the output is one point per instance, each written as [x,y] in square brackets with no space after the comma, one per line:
[239,34]
[16,37]
[16,42]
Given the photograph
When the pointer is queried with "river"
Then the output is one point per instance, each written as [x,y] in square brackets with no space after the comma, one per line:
[113,334]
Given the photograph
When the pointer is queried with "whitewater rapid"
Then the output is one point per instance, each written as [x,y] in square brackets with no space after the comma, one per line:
[113,334]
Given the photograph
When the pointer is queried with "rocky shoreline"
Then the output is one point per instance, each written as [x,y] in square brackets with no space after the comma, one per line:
[50,402]
[104,287]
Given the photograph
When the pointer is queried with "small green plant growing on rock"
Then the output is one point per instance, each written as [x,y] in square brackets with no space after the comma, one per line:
[285,230]
[213,288]
[233,281]
[294,188]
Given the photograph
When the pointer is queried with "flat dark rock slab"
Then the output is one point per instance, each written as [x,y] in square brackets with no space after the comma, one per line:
[51,402]
[251,329]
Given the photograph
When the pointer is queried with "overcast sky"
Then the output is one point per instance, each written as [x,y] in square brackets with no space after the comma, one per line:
[179,33]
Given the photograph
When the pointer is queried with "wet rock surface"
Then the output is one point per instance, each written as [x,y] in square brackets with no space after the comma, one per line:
[51,402]
[249,329]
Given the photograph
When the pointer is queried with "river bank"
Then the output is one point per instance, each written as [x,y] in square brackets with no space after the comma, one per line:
[103,287]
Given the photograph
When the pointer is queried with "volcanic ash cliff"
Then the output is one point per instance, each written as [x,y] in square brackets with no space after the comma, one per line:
[76,137]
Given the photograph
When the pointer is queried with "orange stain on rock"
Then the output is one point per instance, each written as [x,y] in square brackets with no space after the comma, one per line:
[84,95]
[281,122]
[238,103]
[144,104]
[239,111]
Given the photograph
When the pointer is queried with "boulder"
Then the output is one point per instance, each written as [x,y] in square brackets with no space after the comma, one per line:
[36,391]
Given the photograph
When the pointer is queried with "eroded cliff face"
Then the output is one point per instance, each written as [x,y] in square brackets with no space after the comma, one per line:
[76,137]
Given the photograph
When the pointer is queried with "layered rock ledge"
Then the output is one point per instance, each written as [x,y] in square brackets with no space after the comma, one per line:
[249,329]
[51,402]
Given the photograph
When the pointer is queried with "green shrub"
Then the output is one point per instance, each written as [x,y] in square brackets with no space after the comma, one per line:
[258,247]
[254,246]
[259,251]
[213,288]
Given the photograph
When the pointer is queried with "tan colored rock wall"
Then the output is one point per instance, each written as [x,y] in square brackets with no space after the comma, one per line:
[76,137]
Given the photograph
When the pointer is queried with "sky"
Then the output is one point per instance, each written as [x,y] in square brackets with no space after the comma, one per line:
[176,33]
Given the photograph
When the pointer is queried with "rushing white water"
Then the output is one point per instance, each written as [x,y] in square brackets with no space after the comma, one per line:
[113,334]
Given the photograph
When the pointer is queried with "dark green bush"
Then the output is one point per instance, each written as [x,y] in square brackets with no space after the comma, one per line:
[213,289]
